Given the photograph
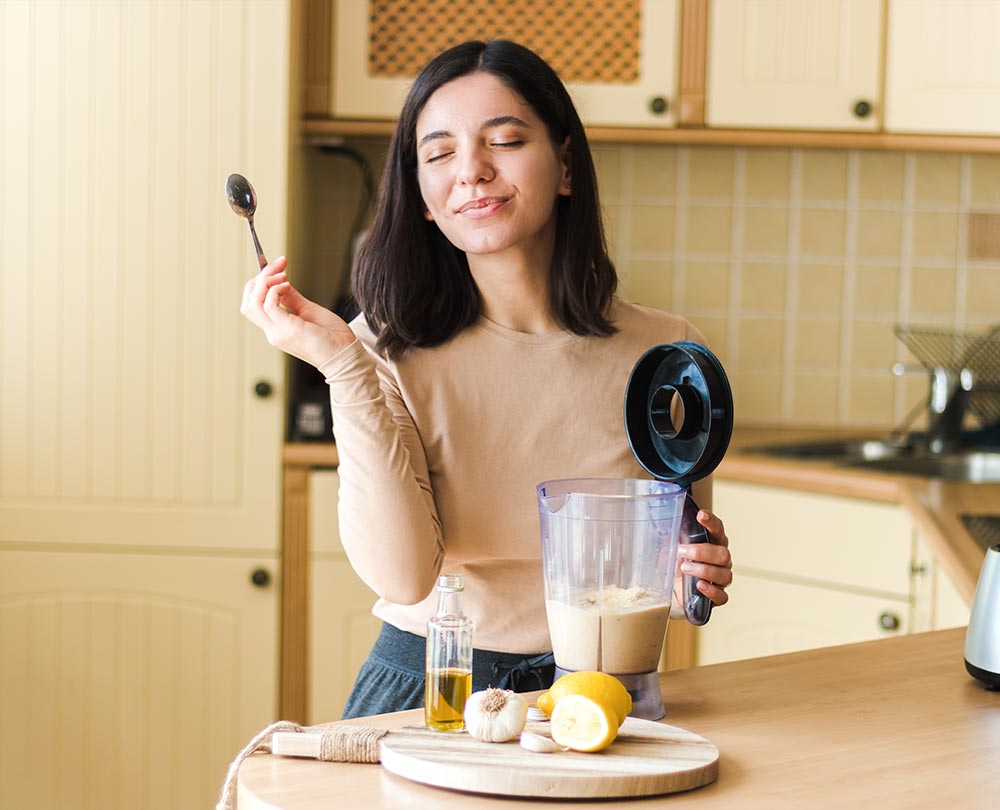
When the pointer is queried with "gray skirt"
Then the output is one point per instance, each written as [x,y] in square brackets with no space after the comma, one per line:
[392,677]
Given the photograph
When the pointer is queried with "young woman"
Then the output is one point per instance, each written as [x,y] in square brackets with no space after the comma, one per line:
[491,355]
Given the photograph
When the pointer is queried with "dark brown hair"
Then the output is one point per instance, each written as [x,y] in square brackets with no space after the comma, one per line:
[412,284]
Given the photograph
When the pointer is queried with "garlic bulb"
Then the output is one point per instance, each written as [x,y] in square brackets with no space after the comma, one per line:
[495,715]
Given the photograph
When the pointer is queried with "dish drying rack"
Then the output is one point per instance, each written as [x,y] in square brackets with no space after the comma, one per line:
[971,359]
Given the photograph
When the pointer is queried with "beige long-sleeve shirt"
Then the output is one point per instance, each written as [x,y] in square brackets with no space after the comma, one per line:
[440,453]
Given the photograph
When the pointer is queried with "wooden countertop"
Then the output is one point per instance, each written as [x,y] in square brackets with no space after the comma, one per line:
[895,723]
[934,505]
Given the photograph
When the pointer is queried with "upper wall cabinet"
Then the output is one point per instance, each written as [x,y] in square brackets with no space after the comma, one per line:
[794,64]
[942,69]
[617,57]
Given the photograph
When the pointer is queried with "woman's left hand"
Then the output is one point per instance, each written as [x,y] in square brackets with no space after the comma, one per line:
[711,562]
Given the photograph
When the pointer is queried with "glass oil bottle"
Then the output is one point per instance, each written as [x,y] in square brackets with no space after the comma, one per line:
[448,682]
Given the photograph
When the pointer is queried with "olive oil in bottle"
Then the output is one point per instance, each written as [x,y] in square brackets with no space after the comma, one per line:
[448,681]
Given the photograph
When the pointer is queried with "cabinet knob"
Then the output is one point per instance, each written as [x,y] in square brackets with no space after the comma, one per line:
[260,577]
[918,569]
[658,105]
[263,389]
[889,621]
[863,109]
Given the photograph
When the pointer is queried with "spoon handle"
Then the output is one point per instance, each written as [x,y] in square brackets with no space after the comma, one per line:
[261,258]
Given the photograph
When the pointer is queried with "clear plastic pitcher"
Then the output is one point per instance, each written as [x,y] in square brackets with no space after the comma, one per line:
[609,554]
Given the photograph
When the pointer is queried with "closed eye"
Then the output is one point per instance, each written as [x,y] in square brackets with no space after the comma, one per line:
[434,158]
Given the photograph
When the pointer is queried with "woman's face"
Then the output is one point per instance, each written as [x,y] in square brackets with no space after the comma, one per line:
[488,172]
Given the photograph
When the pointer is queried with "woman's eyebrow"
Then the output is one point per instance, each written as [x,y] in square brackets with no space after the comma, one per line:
[499,121]
[502,120]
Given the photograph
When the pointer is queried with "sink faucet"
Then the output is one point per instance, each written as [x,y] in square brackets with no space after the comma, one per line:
[948,402]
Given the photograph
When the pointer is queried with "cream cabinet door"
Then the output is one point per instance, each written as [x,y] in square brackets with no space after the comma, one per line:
[342,628]
[942,74]
[950,609]
[810,570]
[129,410]
[768,617]
[811,537]
[618,59]
[794,64]
[937,604]
[130,680]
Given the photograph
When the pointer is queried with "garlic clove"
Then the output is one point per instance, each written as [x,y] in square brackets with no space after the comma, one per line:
[536,715]
[539,743]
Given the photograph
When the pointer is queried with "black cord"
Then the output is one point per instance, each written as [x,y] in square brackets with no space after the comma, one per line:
[343,303]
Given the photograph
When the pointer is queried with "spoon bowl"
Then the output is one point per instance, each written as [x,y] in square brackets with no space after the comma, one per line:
[243,200]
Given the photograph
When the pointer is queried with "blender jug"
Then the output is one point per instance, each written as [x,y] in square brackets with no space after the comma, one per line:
[609,556]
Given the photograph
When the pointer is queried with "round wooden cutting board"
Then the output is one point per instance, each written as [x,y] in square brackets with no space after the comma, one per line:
[647,758]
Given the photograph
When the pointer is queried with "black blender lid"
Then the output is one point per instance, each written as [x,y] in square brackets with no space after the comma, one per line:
[691,450]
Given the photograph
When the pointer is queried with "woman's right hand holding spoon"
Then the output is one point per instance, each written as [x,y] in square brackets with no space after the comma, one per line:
[289,320]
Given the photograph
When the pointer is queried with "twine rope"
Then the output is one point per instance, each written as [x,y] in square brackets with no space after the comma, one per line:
[338,743]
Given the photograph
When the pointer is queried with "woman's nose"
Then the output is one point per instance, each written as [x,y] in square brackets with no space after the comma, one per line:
[475,167]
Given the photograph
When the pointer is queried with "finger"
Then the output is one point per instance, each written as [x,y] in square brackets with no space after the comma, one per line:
[262,284]
[293,300]
[250,306]
[714,526]
[713,592]
[247,290]
[276,266]
[707,553]
[723,577]
[273,303]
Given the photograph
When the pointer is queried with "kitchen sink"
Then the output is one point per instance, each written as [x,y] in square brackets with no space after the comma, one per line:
[976,467]
[973,465]
[844,450]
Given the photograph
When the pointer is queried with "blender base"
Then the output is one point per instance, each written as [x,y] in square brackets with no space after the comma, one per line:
[647,700]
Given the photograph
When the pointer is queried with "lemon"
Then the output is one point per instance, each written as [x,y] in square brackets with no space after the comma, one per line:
[598,686]
[583,724]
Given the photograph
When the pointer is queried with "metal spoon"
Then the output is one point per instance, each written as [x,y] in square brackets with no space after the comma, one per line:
[243,200]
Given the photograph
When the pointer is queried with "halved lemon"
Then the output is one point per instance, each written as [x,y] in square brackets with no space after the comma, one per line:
[599,686]
[583,724]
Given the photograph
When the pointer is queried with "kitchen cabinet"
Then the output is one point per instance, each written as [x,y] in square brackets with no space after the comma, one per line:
[619,59]
[130,679]
[140,414]
[785,64]
[937,604]
[813,570]
[942,75]
[342,628]
[845,74]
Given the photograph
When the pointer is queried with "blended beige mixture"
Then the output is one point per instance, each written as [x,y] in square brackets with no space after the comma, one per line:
[617,630]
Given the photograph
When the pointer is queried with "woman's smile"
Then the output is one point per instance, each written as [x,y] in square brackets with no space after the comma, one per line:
[482,207]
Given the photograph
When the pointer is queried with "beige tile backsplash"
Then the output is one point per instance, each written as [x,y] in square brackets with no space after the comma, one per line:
[797,263]
[794,263]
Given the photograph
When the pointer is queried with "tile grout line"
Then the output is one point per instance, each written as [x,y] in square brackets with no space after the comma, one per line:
[736,258]
[962,259]
[905,272]
[791,284]
[849,286]
[680,269]
[624,204]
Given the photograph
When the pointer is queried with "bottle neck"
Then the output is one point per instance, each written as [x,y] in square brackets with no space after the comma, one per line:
[449,603]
